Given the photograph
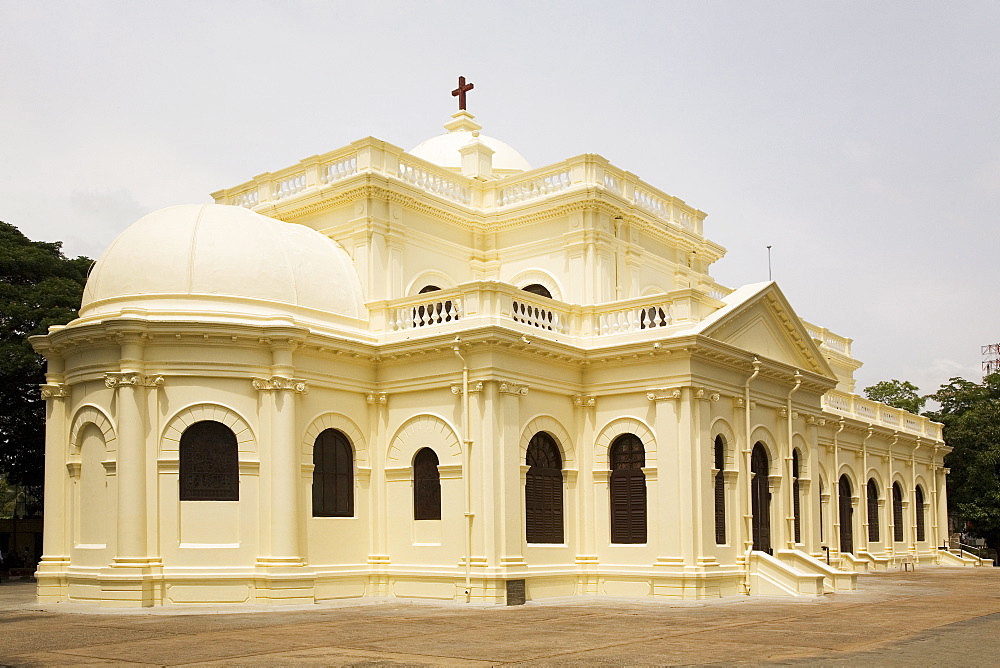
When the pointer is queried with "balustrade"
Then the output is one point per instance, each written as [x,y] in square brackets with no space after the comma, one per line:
[341,169]
[533,188]
[433,182]
[289,186]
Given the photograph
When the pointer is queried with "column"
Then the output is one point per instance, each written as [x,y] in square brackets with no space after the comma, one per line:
[283,464]
[587,496]
[378,555]
[668,536]
[55,546]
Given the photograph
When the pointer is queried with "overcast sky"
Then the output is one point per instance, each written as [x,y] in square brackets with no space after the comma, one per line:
[860,139]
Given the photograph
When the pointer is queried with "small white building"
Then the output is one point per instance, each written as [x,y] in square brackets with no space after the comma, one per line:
[438,373]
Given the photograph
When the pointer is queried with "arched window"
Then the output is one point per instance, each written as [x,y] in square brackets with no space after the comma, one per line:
[333,475]
[720,491]
[872,504]
[796,501]
[428,288]
[918,501]
[760,498]
[897,513]
[543,500]
[628,490]
[538,289]
[209,463]
[846,514]
[426,486]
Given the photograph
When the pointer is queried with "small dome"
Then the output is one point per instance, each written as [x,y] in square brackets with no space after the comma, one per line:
[224,263]
[443,150]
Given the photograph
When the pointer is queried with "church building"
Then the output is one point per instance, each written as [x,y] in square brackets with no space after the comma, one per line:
[444,374]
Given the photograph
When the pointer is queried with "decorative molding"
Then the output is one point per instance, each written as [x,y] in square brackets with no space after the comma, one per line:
[280,383]
[377,398]
[54,391]
[663,393]
[585,400]
[121,379]
[507,387]
[456,388]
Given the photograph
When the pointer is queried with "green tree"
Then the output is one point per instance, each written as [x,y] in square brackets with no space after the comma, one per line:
[971,416]
[39,287]
[897,393]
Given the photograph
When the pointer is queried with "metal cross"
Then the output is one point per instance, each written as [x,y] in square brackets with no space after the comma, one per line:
[460,92]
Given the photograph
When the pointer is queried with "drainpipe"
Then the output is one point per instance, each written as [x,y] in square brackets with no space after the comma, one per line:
[835,484]
[748,516]
[790,526]
[467,470]
[863,483]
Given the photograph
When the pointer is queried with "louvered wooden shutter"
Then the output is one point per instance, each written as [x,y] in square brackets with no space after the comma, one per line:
[897,513]
[918,499]
[872,503]
[846,516]
[543,493]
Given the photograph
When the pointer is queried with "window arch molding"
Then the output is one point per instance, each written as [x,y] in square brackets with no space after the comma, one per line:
[848,470]
[341,423]
[543,278]
[763,435]
[90,414]
[614,429]
[720,427]
[430,277]
[170,440]
[553,428]
[420,431]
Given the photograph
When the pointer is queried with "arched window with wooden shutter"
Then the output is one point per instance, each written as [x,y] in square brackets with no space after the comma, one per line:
[543,493]
[209,463]
[628,490]
[872,507]
[897,513]
[333,475]
[426,486]
[796,500]
[720,491]
[918,501]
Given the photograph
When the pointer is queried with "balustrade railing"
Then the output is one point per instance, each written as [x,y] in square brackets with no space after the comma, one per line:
[425,313]
[289,186]
[341,169]
[247,198]
[633,319]
[878,413]
[534,187]
[433,182]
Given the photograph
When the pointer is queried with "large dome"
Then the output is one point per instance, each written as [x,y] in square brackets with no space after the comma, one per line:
[220,262]
[443,149]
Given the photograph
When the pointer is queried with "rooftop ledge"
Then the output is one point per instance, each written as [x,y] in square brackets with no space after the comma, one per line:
[332,170]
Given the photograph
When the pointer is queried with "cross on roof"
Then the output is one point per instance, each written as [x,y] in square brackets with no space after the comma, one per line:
[460,92]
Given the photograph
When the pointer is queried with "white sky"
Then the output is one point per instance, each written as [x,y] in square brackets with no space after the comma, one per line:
[860,139]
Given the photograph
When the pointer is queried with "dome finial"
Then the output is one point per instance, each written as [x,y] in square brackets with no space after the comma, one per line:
[460,92]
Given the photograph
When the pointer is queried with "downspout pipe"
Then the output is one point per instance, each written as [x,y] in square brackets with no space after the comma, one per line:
[466,468]
[835,483]
[790,525]
[748,517]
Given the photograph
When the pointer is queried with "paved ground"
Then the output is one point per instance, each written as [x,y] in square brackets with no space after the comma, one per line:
[934,616]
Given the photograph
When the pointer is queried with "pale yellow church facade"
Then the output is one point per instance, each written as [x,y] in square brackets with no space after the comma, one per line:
[442,374]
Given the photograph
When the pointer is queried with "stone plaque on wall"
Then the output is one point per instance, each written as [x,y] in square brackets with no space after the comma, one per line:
[515,592]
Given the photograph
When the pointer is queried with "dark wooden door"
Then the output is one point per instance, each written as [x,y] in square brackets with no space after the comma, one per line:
[760,500]
[846,515]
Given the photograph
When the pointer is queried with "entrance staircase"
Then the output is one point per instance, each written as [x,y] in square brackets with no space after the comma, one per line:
[769,576]
[834,579]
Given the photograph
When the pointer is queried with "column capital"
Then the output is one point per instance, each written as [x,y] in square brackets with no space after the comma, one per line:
[456,388]
[663,393]
[116,379]
[508,387]
[54,391]
[585,400]
[273,383]
[376,398]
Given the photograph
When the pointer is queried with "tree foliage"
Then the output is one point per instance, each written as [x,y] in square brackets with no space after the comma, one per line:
[971,416]
[897,393]
[39,287]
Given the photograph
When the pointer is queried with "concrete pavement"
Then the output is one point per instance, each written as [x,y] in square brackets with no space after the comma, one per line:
[923,618]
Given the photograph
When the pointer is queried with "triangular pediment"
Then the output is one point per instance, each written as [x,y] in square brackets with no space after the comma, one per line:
[760,320]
